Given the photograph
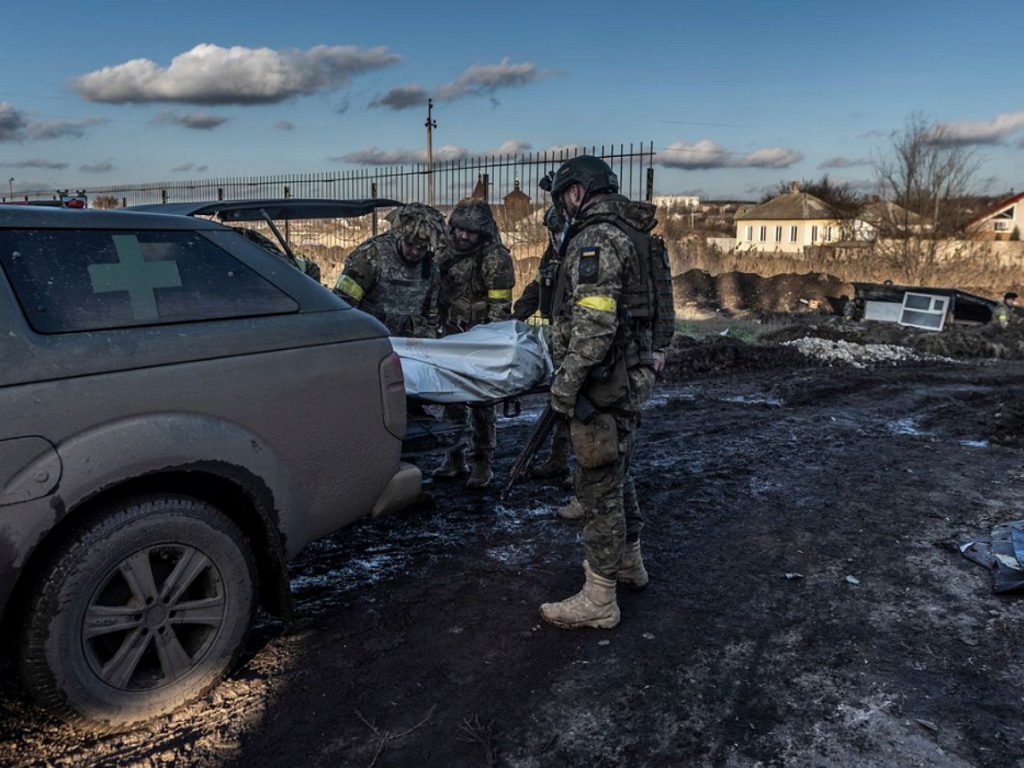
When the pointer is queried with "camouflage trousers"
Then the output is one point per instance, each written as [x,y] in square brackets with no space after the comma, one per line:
[611,511]
[482,421]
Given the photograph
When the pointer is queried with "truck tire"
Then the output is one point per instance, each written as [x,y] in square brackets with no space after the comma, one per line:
[138,612]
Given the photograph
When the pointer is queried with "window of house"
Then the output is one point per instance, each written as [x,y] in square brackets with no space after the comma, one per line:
[83,280]
[1007,214]
[763,234]
[792,234]
[1001,226]
[814,233]
[828,234]
[748,234]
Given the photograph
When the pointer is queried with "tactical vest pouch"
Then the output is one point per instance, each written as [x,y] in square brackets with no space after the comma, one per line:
[546,294]
[595,444]
[607,384]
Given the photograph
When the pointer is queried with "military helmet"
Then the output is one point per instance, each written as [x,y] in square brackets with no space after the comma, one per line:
[554,220]
[418,222]
[474,216]
[592,172]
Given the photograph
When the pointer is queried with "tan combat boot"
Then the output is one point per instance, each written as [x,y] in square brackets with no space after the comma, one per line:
[632,572]
[454,465]
[571,511]
[592,606]
[481,474]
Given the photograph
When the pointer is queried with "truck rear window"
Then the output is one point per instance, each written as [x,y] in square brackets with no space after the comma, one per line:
[86,280]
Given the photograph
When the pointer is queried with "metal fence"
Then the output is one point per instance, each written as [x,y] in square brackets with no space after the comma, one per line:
[508,182]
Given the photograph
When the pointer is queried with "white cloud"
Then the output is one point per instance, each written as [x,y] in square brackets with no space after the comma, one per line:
[37,163]
[375,156]
[706,154]
[17,126]
[979,131]
[840,161]
[211,75]
[447,153]
[199,121]
[103,167]
[402,97]
[511,147]
[476,80]
[185,167]
[485,79]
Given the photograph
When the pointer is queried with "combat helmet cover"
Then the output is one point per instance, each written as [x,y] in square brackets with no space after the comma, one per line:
[474,216]
[419,222]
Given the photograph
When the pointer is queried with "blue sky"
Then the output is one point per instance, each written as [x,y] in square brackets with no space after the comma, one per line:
[736,96]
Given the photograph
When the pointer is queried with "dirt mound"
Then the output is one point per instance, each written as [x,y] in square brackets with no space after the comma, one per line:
[690,358]
[963,343]
[747,292]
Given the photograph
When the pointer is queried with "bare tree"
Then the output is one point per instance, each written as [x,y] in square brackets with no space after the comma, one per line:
[105,202]
[928,174]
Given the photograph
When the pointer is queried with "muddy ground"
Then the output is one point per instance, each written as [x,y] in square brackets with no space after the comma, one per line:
[807,607]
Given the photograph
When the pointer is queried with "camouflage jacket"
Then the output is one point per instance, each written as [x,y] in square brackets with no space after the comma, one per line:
[599,265]
[402,296]
[476,286]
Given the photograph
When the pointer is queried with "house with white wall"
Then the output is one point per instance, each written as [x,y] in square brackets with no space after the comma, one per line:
[787,223]
[1000,221]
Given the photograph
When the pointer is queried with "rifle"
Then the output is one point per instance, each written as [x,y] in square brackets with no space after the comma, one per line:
[584,411]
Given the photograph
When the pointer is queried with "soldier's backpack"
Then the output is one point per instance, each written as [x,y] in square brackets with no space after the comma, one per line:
[652,299]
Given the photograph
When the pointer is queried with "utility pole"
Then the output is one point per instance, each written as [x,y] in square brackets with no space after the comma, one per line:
[431,124]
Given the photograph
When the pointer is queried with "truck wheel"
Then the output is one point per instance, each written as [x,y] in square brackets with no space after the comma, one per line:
[138,612]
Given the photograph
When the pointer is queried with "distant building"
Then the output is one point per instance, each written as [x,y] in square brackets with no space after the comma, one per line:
[517,203]
[887,218]
[1000,221]
[787,223]
[671,202]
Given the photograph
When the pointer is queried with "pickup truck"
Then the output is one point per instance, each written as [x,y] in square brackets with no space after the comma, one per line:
[181,411]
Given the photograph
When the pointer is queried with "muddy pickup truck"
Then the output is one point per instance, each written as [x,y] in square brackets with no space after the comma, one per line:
[180,413]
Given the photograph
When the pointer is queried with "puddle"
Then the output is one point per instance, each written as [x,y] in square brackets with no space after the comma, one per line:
[974,443]
[905,426]
[753,400]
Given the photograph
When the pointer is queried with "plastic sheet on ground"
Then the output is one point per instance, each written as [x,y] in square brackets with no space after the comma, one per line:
[1002,553]
[488,362]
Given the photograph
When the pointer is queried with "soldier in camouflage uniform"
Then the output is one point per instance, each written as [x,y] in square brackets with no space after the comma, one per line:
[528,304]
[593,331]
[476,287]
[394,276]
[1003,314]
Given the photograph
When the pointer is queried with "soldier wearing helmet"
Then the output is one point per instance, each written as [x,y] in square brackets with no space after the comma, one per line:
[1003,313]
[476,287]
[606,354]
[530,300]
[394,276]
[536,298]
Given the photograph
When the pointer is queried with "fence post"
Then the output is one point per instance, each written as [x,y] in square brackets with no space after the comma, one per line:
[373,194]
[220,193]
[163,195]
[487,188]
[649,195]
[287,228]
